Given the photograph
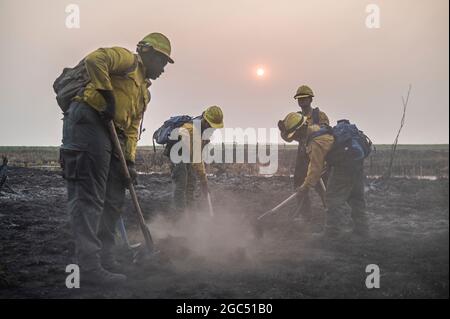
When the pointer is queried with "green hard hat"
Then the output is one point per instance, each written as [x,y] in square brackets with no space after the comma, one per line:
[294,120]
[159,42]
[303,91]
[214,116]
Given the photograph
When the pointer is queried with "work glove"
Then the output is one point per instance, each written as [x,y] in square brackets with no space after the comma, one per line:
[109,113]
[133,173]
[110,110]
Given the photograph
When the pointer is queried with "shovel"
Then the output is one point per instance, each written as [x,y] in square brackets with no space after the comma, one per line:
[211,209]
[258,226]
[280,205]
[123,234]
[145,231]
[322,192]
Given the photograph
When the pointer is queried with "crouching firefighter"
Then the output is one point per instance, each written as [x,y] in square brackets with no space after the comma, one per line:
[108,84]
[184,138]
[344,148]
[314,116]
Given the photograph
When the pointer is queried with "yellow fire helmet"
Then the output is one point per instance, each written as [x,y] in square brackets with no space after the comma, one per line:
[303,91]
[214,116]
[292,122]
[159,42]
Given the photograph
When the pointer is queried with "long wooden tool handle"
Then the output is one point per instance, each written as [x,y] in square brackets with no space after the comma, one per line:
[123,162]
[211,209]
[323,192]
[283,203]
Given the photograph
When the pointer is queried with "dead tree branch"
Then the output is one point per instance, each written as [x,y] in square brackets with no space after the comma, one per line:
[394,145]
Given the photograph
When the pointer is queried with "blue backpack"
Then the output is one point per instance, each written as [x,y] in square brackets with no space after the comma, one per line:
[161,135]
[350,144]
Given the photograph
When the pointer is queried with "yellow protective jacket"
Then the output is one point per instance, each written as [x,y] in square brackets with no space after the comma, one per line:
[199,168]
[317,150]
[107,68]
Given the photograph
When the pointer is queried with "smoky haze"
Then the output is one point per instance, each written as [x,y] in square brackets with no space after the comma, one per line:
[356,72]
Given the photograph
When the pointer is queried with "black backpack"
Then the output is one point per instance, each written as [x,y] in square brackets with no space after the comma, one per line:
[72,82]
[350,144]
[161,135]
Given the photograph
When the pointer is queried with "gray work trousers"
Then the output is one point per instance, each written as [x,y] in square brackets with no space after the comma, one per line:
[183,184]
[95,183]
[346,186]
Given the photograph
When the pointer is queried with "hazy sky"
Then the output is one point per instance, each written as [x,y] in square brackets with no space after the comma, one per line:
[356,72]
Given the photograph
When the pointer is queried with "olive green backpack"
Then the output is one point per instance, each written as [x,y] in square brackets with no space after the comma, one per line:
[72,82]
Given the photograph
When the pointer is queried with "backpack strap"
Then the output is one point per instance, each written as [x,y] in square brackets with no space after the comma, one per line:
[316,116]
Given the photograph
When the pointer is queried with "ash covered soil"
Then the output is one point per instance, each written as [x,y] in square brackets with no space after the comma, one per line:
[221,257]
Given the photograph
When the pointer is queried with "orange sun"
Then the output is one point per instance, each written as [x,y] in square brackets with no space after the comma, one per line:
[260,72]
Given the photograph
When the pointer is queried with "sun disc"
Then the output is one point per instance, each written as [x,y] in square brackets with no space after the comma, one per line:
[260,72]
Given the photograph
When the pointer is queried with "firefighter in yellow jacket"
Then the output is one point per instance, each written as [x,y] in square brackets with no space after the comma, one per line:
[314,116]
[186,172]
[118,91]
[345,184]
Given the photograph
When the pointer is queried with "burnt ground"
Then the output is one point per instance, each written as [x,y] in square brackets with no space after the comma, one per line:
[221,257]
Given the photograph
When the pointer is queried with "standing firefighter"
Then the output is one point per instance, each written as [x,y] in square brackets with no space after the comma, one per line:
[109,84]
[344,148]
[314,116]
[191,167]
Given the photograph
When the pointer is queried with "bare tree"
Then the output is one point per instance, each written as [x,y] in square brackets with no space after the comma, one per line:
[394,145]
